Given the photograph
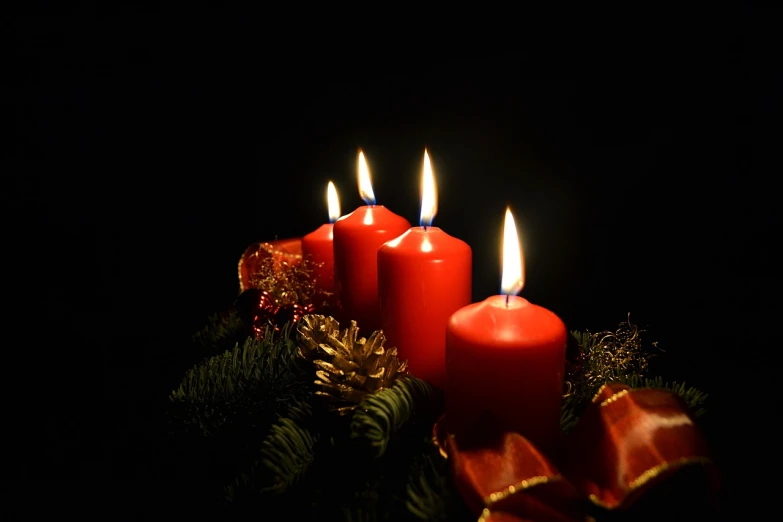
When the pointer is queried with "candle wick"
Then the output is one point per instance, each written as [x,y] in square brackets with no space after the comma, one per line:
[425,228]
[506,300]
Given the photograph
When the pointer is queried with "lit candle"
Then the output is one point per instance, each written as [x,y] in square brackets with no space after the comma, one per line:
[505,357]
[318,248]
[424,276]
[357,238]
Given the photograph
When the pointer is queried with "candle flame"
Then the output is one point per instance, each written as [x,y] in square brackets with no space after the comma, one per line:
[429,193]
[513,266]
[333,202]
[365,185]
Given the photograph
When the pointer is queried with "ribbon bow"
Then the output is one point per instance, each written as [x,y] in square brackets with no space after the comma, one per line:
[284,253]
[261,310]
[633,451]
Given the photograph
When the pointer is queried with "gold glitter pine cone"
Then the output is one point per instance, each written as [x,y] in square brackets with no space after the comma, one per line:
[347,368]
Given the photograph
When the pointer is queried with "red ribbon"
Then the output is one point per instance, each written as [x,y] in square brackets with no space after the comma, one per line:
[260,310]
[283,252]
[628,444]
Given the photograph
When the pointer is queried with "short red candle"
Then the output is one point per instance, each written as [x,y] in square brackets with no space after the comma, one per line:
[318,248]
[424,276]
[506,357]
[357,238]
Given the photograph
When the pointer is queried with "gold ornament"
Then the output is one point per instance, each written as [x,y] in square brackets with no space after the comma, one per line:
[609,356]
[282,253]
[347,368]
[288,284]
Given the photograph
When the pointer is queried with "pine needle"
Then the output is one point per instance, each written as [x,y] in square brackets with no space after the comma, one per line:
[221,328]
[426,490]
[257,376]
[384,413]
[289,450]
[430,493]
[358,515]
[694,398]
[568,413]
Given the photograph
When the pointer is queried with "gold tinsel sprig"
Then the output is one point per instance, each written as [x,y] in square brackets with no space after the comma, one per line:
[347,368]
[608,356]
[288,284]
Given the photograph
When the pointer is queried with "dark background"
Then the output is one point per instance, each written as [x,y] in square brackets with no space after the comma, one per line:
[641,165]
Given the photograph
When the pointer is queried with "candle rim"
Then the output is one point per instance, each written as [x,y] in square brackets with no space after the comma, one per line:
[506,323]
[440,249]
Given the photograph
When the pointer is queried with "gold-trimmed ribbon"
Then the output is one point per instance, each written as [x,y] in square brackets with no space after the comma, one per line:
[631,449]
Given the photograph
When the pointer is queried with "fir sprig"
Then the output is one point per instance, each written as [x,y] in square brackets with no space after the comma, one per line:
[252,378]
[384,413]
[426,489]
[694,398]
[220,329]
[289,450]
[430,493]
[364,505]
[282,459]
[569,414]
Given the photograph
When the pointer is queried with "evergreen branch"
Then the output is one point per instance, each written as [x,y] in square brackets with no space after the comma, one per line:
[358,515]
[289,449]
[569,415]
[430,493]
[694,398]
[426,497]
[232,492]
[582,339]
[220,329]
[384,413]
[282,460]
[364,504]
[573,406]
[255,377]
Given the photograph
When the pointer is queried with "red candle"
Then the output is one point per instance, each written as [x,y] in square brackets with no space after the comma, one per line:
[506,357]
[317,247]
[357,238]
[424,276]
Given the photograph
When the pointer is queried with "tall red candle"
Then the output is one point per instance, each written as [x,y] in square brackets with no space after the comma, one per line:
[357,238]
[506,357]
[317,247]
[424,276]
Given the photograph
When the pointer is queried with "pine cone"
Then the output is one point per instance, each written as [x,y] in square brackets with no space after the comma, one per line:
[347,368]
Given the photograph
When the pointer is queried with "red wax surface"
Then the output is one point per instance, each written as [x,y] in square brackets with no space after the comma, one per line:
[317,246]
[506,360]
[357,238]
[424,276]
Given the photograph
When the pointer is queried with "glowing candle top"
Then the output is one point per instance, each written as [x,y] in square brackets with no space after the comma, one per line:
[365,185]
[333,202]
[429,194]
[513,279]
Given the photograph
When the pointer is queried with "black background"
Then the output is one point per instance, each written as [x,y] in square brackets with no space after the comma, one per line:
[641,165]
